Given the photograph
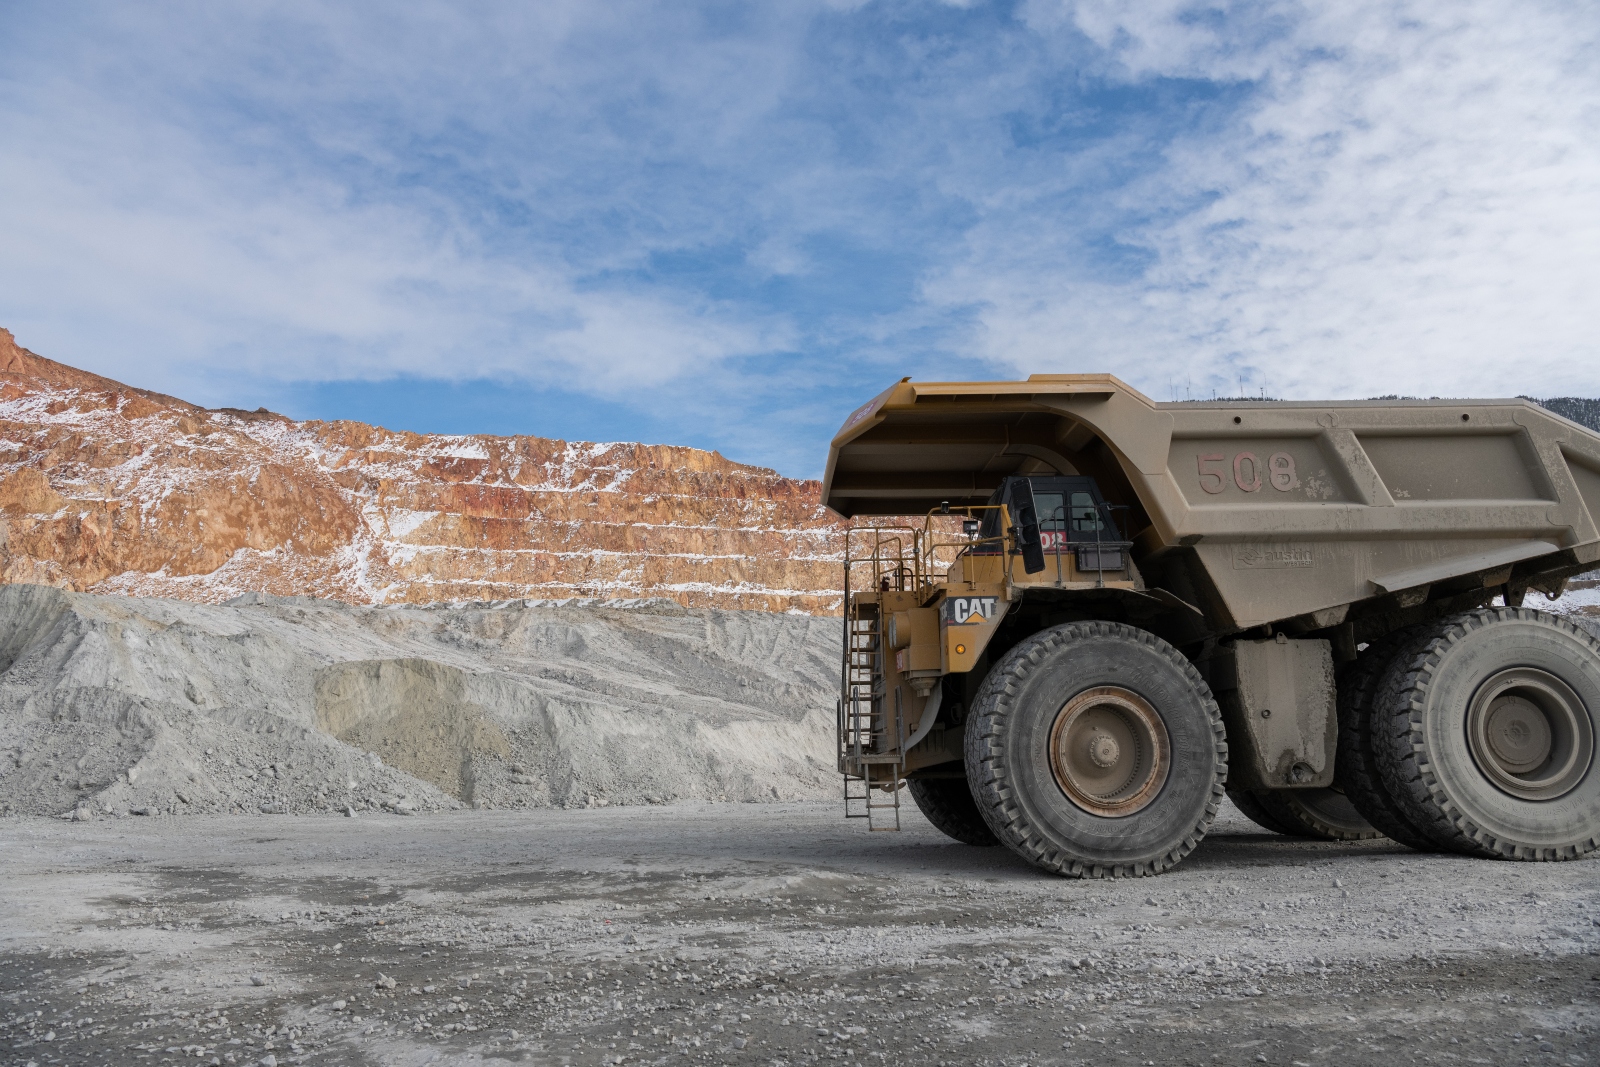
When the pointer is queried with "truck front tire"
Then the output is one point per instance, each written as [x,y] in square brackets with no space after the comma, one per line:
[1096,750]
[948,804]
[1488,730]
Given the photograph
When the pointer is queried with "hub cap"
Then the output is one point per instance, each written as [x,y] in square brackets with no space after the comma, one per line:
[1530,734]
[1109,751]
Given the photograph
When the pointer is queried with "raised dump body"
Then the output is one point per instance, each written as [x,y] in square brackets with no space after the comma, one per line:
[1271,576]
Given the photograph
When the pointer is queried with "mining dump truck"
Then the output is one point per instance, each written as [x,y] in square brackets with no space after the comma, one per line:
[1111,613]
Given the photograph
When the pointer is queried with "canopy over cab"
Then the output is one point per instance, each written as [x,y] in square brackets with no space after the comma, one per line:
[918,445]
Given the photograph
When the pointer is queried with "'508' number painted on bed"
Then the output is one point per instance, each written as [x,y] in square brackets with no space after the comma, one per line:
[1247,471]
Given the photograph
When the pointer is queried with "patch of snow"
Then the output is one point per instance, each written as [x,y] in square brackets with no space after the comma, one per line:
[402,522]
[1572,602]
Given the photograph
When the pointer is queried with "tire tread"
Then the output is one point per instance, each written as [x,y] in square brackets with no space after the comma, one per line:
[1305,822]
[1402,746]
[1356,761]
[1250,807]
[947,803]
[986,742]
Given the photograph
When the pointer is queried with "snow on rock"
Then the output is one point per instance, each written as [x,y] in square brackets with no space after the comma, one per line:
[113,489]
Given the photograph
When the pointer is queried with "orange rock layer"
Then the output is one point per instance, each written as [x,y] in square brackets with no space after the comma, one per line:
[110,489]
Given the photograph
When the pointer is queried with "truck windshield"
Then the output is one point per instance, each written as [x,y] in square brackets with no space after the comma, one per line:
[1058,508]
[1065,505]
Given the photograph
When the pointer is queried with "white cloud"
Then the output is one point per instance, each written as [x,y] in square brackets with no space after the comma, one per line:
[151,239]
[1411,204]
[633,200]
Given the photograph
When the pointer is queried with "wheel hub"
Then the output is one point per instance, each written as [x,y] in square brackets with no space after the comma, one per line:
[1104,751]
[1109,751]
[1518,734]
[1530,734]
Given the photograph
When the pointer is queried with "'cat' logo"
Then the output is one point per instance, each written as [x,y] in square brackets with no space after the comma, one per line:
[964,610]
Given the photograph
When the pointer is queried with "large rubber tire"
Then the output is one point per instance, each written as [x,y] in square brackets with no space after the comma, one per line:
[1323,814]
[948,804]
[1010,759]
[1355,764]
[1252,809]
[1443,780]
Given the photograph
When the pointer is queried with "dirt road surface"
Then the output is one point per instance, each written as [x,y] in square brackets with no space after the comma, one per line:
[767,934]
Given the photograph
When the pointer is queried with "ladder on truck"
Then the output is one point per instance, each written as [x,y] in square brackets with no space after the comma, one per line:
[871,762]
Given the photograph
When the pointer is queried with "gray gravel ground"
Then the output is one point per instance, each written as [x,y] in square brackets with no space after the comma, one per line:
[766,934]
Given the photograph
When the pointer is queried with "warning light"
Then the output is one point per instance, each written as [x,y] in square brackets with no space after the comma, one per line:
[960,649]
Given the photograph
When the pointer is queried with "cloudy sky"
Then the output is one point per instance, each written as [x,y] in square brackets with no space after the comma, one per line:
[728,224]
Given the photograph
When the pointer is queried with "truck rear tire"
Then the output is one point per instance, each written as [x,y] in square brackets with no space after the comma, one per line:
[1096,750]
[1488,738]
[1324,814]
[948,804]
[1355,765]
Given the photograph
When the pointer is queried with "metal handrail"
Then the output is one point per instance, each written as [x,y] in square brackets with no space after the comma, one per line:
[904,558]
[932,542]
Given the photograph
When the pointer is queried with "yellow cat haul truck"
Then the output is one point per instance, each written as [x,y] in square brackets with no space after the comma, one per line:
[1113,612]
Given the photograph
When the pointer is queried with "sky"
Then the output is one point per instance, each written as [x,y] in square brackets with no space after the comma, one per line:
[727,225]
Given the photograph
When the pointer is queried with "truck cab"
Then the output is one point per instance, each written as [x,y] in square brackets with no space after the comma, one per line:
[1077,531]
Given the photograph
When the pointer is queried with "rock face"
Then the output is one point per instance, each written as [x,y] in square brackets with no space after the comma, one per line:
[113,489]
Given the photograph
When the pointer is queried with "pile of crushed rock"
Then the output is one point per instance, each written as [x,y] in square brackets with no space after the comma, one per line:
[113,705]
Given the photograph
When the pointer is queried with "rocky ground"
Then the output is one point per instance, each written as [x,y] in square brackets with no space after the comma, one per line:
[772,934]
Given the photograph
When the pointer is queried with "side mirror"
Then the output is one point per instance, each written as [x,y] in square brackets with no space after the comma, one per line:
[1025,528]
[1026,535]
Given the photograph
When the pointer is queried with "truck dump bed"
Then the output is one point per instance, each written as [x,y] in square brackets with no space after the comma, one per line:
[1256,513]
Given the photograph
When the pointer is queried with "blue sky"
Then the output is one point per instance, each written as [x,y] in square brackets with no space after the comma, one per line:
[726,225]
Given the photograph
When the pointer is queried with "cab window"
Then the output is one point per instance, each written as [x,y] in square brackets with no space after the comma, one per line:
[1064,505]
[1085,516]
[1051,508]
